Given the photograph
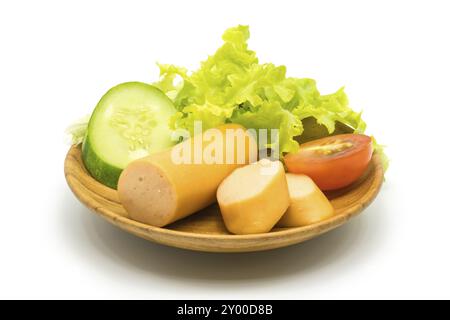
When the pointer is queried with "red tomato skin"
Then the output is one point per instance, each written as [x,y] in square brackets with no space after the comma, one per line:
[334,172]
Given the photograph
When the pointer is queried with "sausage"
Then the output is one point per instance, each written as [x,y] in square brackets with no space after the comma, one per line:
[308,203]
[253,198]
[160,188]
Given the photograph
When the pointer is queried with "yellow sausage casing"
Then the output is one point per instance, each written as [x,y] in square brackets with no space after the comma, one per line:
[160,189]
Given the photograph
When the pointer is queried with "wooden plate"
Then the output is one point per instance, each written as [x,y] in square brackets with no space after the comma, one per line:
[205,231]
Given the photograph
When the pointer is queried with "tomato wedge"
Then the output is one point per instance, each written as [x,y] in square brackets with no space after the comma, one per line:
[333,162]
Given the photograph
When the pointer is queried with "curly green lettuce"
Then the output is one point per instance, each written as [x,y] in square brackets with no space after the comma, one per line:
[232,86]
[77,130]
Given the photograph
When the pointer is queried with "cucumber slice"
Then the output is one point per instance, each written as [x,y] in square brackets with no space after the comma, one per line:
[129,122]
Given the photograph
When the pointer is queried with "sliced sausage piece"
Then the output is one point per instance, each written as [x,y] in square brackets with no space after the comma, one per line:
[253,198]
[157,190]
[308,203]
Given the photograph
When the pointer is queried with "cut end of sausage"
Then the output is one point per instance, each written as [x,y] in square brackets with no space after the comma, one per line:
[300,185]
[248,182]
[147,194]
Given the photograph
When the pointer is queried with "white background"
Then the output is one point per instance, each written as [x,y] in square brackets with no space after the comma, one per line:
[58,57]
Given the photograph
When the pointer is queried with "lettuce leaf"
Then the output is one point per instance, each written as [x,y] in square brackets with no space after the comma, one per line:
[271,115]
[379,149]
[232,86]
[77,130]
